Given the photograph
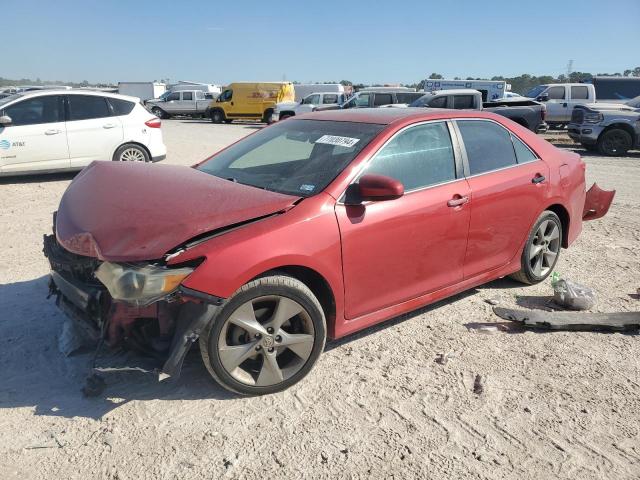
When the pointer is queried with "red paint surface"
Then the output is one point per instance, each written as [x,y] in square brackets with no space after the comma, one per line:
[380,259]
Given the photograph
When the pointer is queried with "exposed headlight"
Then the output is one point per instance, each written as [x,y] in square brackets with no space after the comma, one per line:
[593,118]
[140,284]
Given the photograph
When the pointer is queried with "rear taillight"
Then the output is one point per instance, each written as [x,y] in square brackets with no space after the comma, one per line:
[153,123]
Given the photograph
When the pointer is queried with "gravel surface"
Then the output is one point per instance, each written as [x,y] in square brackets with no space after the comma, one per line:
[449,391]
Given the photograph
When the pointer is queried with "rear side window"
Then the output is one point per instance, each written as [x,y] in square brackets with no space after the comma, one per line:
[121,107]
[579,93]
[418,157]
[556,93]
[461,102]
[85,107]
[438,102]
[35,111]
[523,154]
[187,95]
[382,99]
[330,99]
[488,146]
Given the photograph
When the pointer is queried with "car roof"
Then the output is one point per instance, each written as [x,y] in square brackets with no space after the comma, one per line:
[62,91]
[387,116]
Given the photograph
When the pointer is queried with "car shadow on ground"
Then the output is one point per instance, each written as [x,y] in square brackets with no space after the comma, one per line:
[583,152]
[39,178]
[35,374]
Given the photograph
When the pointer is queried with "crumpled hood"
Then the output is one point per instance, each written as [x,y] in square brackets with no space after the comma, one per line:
[139,211]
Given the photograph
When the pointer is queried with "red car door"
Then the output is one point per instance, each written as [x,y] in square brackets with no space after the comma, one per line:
[396,250]
[508,187]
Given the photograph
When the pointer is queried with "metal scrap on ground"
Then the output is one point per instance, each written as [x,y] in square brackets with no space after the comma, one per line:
[618,321]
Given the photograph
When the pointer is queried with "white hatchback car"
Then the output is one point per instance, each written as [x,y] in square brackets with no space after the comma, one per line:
[57,130]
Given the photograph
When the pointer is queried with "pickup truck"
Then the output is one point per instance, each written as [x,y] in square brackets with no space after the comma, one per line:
[608,128]
[560,98]
[528,113]
[192,103]
[310,103]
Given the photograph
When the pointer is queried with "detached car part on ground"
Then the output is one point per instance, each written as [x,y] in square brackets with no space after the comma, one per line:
[309,229]
[610,129]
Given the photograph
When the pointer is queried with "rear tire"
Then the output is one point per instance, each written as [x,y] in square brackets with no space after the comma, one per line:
[542,250]
[614,142]
[217,116]
[267,337]
[131,152]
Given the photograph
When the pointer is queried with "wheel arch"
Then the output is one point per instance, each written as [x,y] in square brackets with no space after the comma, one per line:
[622,126]
[130,142]
[316,283]
[565,221]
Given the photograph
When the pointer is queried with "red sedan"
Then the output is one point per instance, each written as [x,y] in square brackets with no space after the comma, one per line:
[309,229]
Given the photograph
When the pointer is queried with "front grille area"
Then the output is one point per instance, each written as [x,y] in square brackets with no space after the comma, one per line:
[577,116]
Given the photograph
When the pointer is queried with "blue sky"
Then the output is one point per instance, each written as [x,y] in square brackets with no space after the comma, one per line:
[369,42]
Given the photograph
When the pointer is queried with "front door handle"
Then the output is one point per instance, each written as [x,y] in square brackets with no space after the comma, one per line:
[53,131]
[564,104]
[538,179]
[457,201]
[109,125]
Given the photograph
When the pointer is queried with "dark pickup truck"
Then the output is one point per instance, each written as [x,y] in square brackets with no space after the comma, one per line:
[528,113]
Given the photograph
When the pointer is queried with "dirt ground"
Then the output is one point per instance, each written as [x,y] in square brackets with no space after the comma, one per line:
[378,405]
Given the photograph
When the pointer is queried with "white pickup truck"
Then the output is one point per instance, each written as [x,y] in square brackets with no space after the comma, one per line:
[560,98]
[192,103]
[308,104]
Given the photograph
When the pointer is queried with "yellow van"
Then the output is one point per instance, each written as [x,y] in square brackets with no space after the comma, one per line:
[250,101]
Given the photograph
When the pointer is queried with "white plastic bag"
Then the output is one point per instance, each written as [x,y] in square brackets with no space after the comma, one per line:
[572,295]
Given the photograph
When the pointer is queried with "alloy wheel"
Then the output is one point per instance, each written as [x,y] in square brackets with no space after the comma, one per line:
[132,155]
[545,247]
[615,142]
[266,341]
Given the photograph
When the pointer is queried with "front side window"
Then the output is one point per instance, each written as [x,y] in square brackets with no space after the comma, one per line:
[35,111]
[225,96]
[312,100]
[579,92]
[296,157]
[187,95]
[86,107]
[556,93]
[438,102]
[488,146]
[173,96]
[199,95]
[408,97]
[462,102]
[362,100]
[382,99]
[418,157]
[330,99]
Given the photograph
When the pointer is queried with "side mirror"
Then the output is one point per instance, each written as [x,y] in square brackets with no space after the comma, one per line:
[5,120]
[375,187]
[543,97]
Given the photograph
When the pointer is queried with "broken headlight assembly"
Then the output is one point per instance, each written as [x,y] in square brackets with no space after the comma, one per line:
[140,284]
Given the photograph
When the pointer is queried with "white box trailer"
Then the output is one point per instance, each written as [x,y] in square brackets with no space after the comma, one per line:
[490,89]
[302,90]
[142,90]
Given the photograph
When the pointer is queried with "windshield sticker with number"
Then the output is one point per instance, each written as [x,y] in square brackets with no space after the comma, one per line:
[339,141]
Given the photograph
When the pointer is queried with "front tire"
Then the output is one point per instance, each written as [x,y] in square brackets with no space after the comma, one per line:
[614,142]
[541,252]
[158,112]
[217,116]
[130,152]
[266,338]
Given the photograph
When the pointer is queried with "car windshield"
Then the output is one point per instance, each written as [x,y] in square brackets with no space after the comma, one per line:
[535,91]
[295,157]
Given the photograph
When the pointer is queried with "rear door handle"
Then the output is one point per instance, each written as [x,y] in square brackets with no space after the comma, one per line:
[457,201]
[53,131]
[538,179]
[109,125]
